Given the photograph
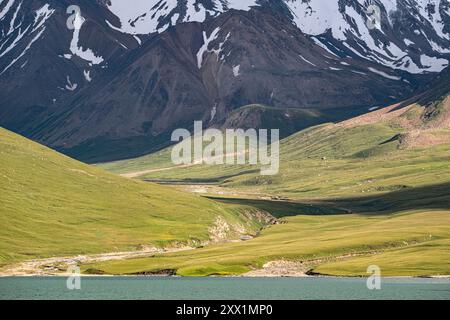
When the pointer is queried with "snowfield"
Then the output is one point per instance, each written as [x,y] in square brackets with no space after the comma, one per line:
[347,24]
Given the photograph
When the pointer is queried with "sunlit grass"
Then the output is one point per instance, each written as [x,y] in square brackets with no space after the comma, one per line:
[51,205]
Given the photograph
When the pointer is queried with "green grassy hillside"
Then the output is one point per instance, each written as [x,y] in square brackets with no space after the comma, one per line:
[329,177]
[325,162]
[51,205]
[391,169]
[318,241]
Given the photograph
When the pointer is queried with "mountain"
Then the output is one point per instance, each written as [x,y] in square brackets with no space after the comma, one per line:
[389,134]
[438,89]
[118,87]
[51,205]
[407,36]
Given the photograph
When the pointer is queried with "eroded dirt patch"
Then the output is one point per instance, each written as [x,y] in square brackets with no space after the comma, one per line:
[59,265]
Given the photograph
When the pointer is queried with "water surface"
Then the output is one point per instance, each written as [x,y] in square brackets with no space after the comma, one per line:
[152,288]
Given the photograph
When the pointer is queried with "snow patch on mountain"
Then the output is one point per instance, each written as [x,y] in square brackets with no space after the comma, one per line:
[87,75]
[346,21]
[71,86]
[384,74]
[236,71]
[430,10]
[433,64]
[15,37]
[204,48]
[6,8]
[307,61]
[141,16]
[12,23]
[76,49]
[149,16]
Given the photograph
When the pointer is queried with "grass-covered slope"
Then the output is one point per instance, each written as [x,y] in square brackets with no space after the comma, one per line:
[391,168]
[51,205]
[357,241]
[357,158]
[400,199]
[400,196]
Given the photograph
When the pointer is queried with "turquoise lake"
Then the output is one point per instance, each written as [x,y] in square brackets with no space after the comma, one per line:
[151,288]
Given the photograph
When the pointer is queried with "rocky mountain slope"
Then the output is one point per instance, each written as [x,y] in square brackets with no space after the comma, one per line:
[407,129]
[119,84]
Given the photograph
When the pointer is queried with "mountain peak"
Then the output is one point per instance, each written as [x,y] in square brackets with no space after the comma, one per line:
[343,27]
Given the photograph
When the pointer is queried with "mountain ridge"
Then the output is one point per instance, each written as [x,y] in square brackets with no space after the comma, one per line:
[104,94]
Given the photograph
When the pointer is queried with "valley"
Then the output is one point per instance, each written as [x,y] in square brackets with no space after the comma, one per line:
[349,195]
[355,195]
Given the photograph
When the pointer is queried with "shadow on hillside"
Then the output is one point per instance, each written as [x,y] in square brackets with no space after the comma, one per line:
[432,197]
[202,181]
[284,208]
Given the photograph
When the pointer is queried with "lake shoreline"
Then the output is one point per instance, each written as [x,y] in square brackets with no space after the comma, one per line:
[318,276]
[276,269]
